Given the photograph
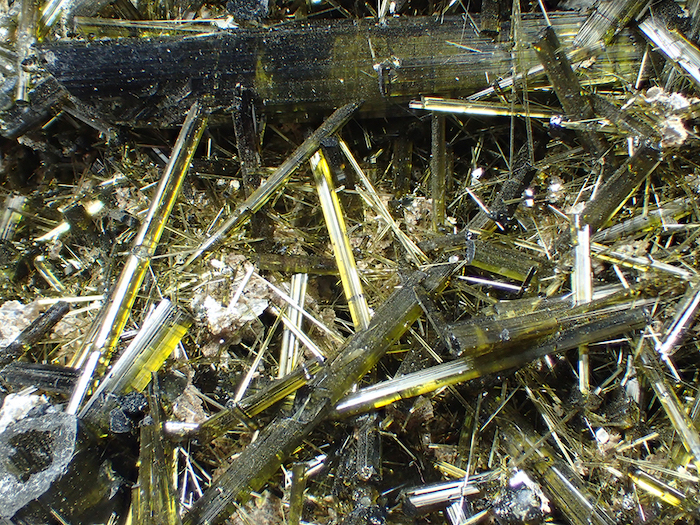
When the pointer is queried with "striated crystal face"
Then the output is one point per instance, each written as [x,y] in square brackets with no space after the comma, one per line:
[349,262]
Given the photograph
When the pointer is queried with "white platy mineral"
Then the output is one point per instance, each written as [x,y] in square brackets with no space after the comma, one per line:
[17,406]
[225,317]
[15,317]
[214,302]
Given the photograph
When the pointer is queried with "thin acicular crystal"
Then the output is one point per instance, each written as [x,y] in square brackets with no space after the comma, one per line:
[109,325]
[120,28]
[438,167]
[262,458]
[673,45]
[472,367]
[335,224]
[682,321]
[582,288]
[475,108]
[604,253]
[373,200]
[563,485]
[300,335]
[650,367]
[261,195]
[252,370]
[606,20]
[289,351]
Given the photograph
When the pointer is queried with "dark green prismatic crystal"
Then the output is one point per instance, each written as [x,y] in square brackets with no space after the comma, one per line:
[34,333]
[307,66]
[258,462]
[510,196]
[564,486]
